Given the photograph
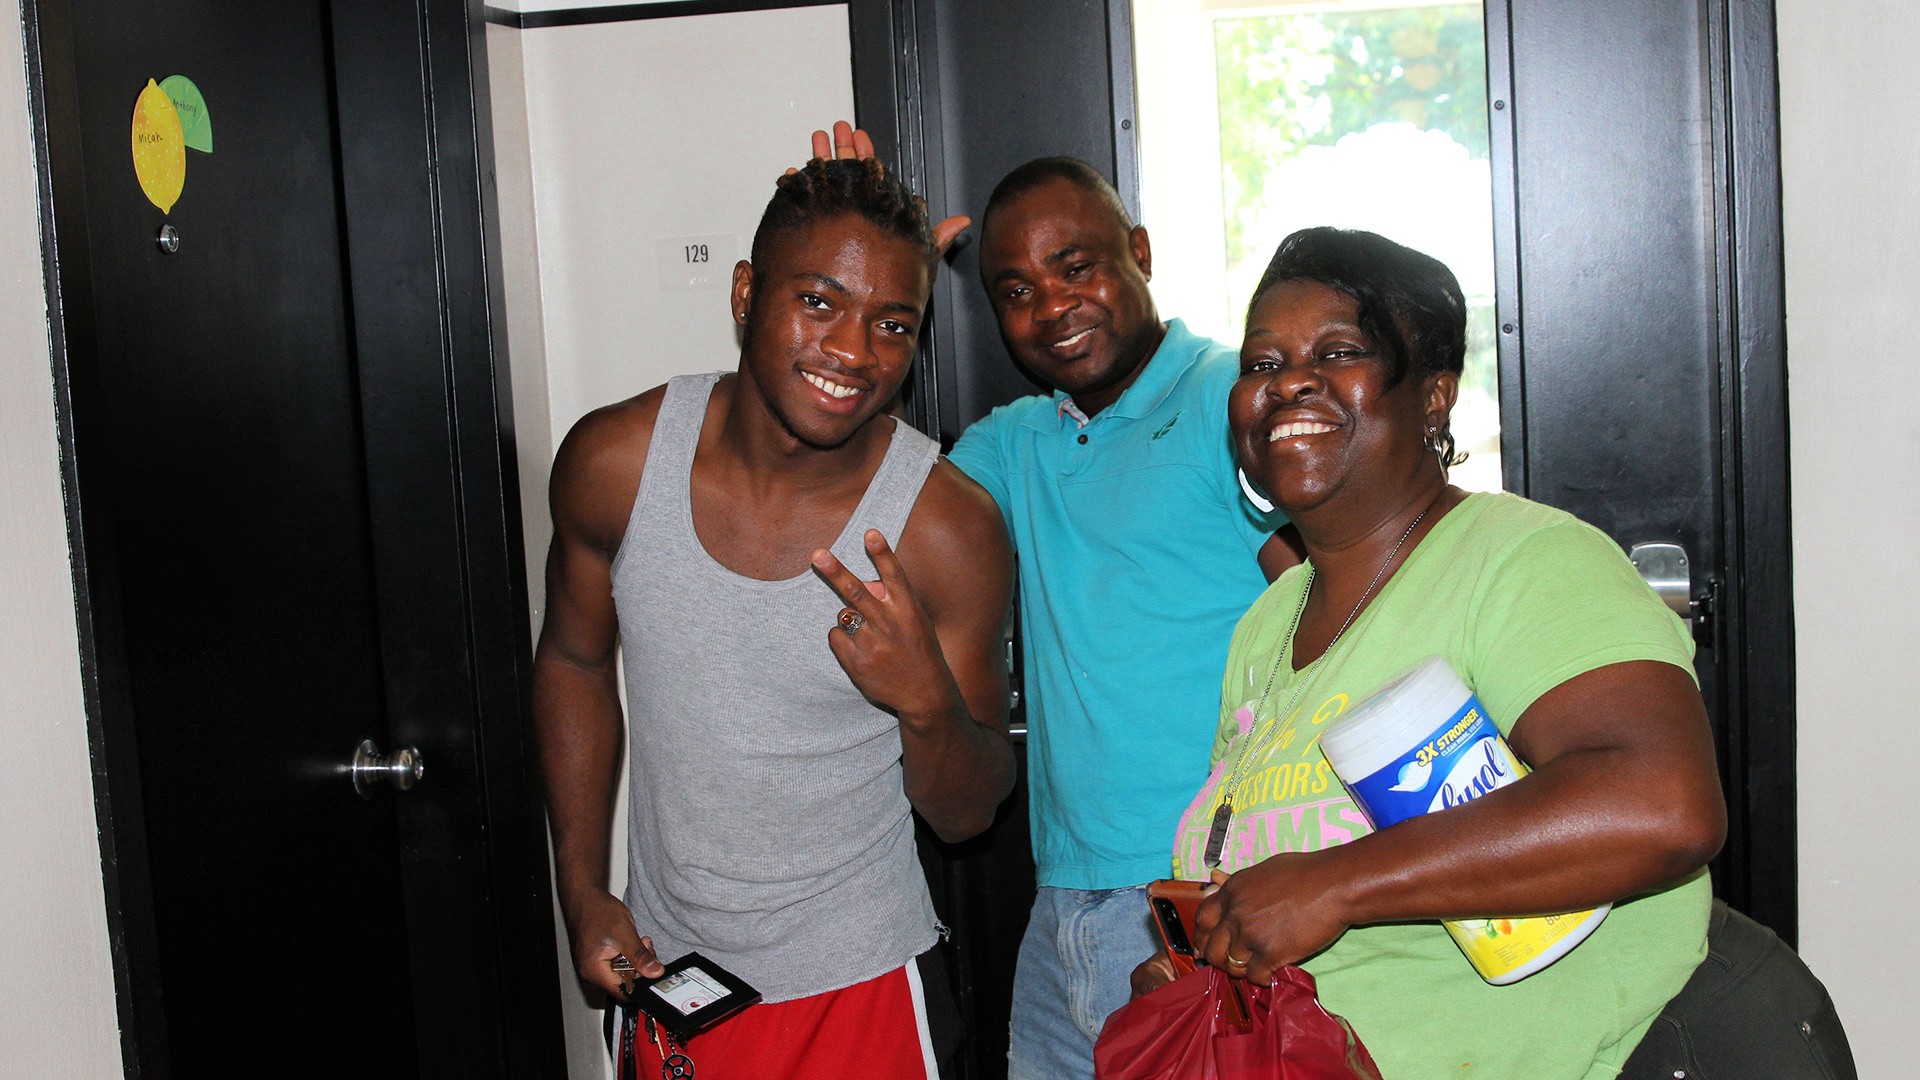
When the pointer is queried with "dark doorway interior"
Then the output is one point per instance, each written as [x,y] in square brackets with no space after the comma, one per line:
[291,502]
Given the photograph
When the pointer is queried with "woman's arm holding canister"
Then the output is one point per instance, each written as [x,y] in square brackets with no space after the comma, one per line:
[1624,797]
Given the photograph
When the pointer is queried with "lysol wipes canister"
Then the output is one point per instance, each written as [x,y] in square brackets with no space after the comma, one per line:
[1425,743]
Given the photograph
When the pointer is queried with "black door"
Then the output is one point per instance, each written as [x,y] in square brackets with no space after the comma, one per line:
[290,541]
[1635,149]
[1642,345]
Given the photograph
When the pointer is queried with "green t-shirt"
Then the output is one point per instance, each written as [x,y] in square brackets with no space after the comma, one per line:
[1520,598]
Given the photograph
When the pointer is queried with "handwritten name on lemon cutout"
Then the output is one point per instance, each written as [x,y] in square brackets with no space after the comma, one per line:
[169,117]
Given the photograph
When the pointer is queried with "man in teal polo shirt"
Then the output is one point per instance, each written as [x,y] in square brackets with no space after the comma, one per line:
[1138,554]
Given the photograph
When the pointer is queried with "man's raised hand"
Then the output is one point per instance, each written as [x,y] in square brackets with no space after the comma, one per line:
[848,142]
[851,143]
[884,638]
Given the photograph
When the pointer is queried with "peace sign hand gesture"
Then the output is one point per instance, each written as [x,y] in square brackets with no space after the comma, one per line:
[884,638]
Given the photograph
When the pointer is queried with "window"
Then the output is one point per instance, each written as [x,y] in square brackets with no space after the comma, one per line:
[1259,119]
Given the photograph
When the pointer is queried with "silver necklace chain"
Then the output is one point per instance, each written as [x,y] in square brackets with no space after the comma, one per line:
[1223,817]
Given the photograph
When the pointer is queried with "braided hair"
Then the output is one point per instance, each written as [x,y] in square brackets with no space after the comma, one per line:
[831,188]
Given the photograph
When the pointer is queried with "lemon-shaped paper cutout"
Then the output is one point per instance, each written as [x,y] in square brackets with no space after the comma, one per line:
[159,148]
[196,123]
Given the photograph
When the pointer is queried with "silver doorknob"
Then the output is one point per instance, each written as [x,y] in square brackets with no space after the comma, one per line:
[370,768]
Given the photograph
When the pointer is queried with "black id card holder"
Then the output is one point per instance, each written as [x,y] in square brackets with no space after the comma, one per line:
[693,995]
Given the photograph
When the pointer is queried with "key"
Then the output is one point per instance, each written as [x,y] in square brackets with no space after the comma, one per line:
[625,969]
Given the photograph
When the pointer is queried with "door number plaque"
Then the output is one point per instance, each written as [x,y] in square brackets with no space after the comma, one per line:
[696,263]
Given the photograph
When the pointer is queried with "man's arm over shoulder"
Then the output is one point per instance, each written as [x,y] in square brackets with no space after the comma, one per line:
[959,764]
[576,707]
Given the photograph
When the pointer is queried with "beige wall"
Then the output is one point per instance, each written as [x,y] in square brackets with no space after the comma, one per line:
[645,131]
[611,140]
[1851,175]
[57,1015]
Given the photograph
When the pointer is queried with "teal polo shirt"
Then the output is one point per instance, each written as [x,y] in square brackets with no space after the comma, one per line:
[1137,558]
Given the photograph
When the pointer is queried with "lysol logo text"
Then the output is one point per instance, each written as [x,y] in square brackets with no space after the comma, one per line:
[1483,767]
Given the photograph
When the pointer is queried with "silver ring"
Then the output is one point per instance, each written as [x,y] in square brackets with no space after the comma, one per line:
[851,620]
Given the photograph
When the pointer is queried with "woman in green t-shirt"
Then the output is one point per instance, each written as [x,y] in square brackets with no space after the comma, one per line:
[1350,368]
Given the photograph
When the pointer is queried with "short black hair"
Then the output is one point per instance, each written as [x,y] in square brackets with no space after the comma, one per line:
[1040,170]
[830,188]
[1410,303]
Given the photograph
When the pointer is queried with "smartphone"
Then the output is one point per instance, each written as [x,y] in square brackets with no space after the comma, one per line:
[1174,904]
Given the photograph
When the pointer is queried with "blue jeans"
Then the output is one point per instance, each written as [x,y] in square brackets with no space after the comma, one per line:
[1075,962]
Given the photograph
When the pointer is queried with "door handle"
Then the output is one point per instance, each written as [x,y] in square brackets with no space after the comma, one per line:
[370,768]
[1665,567]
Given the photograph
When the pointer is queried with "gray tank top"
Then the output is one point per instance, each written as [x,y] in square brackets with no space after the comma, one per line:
[767,826]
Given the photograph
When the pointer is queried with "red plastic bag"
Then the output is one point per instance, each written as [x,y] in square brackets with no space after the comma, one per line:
[1182,1031]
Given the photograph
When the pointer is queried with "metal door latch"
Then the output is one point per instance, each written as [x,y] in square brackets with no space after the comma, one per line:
[1666,568]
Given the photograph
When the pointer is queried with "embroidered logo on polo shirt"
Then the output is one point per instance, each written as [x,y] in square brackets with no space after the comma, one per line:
[1166,427]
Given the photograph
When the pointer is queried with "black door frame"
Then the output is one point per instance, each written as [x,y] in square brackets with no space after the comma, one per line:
[1749,597]
[418,199]
[1763,794]
[900,91]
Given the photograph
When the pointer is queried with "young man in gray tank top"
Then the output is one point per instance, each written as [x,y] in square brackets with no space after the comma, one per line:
[809,604]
